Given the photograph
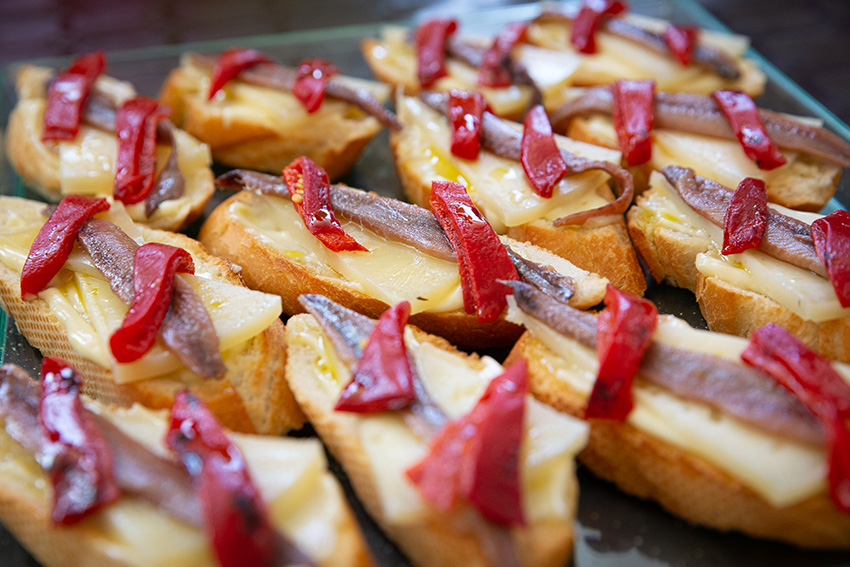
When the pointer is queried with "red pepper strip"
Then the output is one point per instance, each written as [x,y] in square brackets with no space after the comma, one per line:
[482,259]
[623,333]
[587,22]
[235,517]
[73,451]
[383,379]
[831,235]
[431,51]
[230,63]
[310,192]
[135,165]
[493,71]
[743,117]
[154,266]
[465,111]
[813,381]
[681,41]
[476,457]
[746,217]
[540,157]
[633,116]
[67,95]
[55,240]
[309,87]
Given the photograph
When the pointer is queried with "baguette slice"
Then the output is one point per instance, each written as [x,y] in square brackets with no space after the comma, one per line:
[804,183]
[740,293]
[87,164]
[305,502]
[252,395]
[259,128]
[265,237]
[374,450]
[498,188]
[700,464]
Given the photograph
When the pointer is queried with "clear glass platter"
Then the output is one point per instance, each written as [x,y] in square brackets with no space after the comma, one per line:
[612,529]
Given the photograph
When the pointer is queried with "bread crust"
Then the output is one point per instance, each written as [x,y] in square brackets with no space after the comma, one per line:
[440,540]
[689,487]
[238,142]
[251,397]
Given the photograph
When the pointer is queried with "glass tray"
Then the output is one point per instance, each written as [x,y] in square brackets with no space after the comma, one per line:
[612,529]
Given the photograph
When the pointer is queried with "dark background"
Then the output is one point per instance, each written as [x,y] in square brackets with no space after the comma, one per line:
[806,39]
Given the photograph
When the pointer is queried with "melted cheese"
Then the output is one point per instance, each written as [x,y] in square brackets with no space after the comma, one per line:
[783,472]
[390,271]
[803,292]
[496,185]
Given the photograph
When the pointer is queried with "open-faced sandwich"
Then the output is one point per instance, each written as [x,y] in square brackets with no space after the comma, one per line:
[714,135]
[257,114]
[284,234]
[780,265]
[83,483]
[79,131]
[734,436]
[85,283]
[456,463]
[551,191]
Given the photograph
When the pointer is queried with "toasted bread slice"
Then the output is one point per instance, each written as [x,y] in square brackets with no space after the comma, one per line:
[260,128]
[252,395]
[702,465]
[86,165]
[265,236]
[375,450]
[741,293]
[498,188]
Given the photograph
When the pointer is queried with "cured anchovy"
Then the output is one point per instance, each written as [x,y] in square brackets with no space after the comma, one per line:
[502,140]
[544,278]
[187,329]
[735,389]
[785,238]
[137,470]
[698,114]
[278,77]
[706,56]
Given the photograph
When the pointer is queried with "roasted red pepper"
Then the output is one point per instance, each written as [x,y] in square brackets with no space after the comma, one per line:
[465,111]
[230,63]
[592,13]
[430,40]
[67,96]
[746,217]
[310,192]
[743,116]
[154,267]
[313,75]
[633,116]
[55,240]
[623,333]
[681,41]
[235,517]
[73,451]
[476,457]
[481,258]
[135,165]
[813,381]
[383,379]
[494,70]
[831,235]
[539,154]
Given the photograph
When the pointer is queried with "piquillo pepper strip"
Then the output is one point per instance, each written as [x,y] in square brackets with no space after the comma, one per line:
[430,38]
[230,63]
[743,115]
[831,236]
[309,87]
[465,111]
[591,14]
[623,333]
[493,71]
[67,95]
[154,268]
[814,382]
[135,164]
[633,115]
[54,241]
[746,217]
[681,41]
[540,157]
